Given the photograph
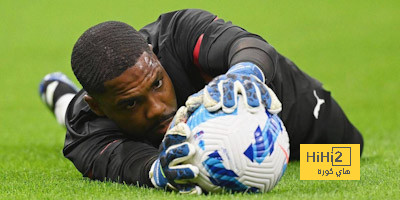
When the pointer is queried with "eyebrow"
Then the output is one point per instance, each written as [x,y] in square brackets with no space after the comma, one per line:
[125,100]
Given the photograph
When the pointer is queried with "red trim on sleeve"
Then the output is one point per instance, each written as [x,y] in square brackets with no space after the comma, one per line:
[207,78]
[196,50]
[102,151]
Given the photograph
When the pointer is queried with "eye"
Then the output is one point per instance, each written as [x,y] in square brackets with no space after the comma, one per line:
[158,84]
[131,104]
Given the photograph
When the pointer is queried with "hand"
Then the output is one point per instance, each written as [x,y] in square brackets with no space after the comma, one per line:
[168,171]
[245,78]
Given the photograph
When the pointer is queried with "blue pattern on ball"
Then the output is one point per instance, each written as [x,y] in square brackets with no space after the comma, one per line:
[265,140]
[223,177]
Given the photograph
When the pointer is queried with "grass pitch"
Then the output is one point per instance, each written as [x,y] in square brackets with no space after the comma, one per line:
[351,46]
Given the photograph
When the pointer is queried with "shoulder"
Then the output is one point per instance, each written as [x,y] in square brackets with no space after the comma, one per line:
[170,20]
[186,13]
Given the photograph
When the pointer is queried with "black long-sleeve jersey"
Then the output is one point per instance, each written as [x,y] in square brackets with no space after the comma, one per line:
[194,46]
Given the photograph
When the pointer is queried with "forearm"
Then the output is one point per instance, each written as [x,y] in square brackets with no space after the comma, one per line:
[132,167]
[224,45]
[257,51]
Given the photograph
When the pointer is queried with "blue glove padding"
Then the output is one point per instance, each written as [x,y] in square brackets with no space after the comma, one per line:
[168,171]
[245,78]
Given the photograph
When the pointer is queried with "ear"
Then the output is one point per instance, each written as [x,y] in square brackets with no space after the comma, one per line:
[151,47]
[94,105]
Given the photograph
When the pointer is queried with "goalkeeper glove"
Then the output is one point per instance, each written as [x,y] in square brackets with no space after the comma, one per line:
[167,170]
[245,78]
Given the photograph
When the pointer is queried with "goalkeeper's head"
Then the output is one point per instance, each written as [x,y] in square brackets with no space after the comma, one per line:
[124,80]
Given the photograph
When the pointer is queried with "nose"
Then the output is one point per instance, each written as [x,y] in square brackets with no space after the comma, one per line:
[156,107]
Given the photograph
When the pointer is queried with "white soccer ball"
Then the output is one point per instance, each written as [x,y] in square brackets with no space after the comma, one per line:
[241,151]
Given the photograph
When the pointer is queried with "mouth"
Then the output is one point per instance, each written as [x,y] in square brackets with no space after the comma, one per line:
[162,126]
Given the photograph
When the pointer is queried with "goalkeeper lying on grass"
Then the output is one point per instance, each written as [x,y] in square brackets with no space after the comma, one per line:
[134,81]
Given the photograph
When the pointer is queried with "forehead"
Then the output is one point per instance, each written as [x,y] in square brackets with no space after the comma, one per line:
[134,77]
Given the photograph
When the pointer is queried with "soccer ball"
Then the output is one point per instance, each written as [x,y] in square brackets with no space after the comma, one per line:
[240,151]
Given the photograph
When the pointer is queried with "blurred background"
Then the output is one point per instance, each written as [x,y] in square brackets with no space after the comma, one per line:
[351,46]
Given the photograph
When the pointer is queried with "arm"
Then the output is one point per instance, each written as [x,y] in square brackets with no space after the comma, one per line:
[246,61]
[204,41]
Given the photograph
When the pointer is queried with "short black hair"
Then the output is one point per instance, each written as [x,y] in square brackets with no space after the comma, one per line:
[104,52]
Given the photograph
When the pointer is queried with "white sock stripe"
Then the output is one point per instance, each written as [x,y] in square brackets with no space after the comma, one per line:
[61,106]
[50,93]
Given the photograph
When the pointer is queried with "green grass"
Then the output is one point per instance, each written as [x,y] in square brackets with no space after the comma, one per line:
[351,46]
